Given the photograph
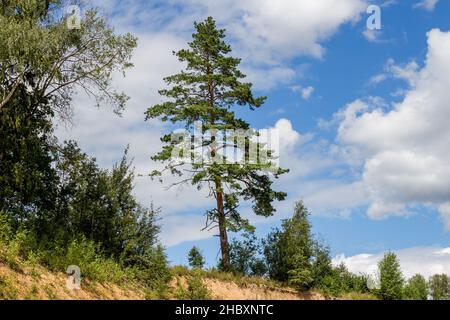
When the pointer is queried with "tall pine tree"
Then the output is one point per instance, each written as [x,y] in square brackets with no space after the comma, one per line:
[205,92]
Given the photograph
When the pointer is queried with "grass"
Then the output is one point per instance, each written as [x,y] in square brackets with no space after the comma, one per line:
[241,281]
[358,296]
[193,289]
[50,292]
[7,290]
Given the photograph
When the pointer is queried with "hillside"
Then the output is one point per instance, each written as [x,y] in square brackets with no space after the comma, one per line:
[39,283]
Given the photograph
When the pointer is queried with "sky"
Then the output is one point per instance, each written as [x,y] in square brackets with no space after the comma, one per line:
[363,119]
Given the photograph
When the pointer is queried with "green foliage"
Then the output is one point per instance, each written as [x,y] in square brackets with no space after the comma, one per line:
[180,270]
[321,263]
[154,271]
[195,258]
[38,50]
[7,289]
[416,288]
[57,207]
[195,290]
[18,249]
[245,256]
[289,251]
[41,63]
[439,285]
[27,179]
[100,205]
[294,256]
[341,282]
[206,91]
[5,228]
[391,278]
[88,256]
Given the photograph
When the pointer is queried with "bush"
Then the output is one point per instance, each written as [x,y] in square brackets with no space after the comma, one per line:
[341,282]
[7,289]
[196,289]
[89,258]
[154,271]
[180,271]
[18,249]
[5,228]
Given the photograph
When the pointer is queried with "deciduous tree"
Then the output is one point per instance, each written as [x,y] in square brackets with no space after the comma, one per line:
[391,278]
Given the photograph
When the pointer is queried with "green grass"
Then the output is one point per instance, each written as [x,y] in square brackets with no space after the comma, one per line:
[7,290]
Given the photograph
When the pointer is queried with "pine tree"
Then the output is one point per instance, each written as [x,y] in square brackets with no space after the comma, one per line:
[195,258]
[391,278]
[205,92]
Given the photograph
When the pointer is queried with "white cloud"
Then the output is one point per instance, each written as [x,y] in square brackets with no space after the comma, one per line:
[179,228]
[408,72]
[378,78]
[427,5]
[305,92]
[404,150]
[423,260]
[274,30]
[265,33]
[372,35]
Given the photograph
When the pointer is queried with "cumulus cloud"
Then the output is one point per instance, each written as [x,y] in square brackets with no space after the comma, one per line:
[404,150]
[274,30]
[266,34]
[424,260]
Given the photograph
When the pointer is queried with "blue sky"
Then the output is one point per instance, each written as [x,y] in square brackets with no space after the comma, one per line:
[362,116]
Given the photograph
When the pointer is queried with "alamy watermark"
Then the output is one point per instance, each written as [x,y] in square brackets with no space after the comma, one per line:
[73,14]
[205,147]
[374,20]
[73,281]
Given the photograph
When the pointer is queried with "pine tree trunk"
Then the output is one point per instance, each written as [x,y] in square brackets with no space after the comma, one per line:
[224,246]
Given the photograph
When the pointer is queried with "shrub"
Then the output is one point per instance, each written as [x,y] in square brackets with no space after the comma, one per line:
[155,274]
[180,271]
[5,228]
[7,289]
[88,256]
[18,249]
[196,289]
[340,283]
